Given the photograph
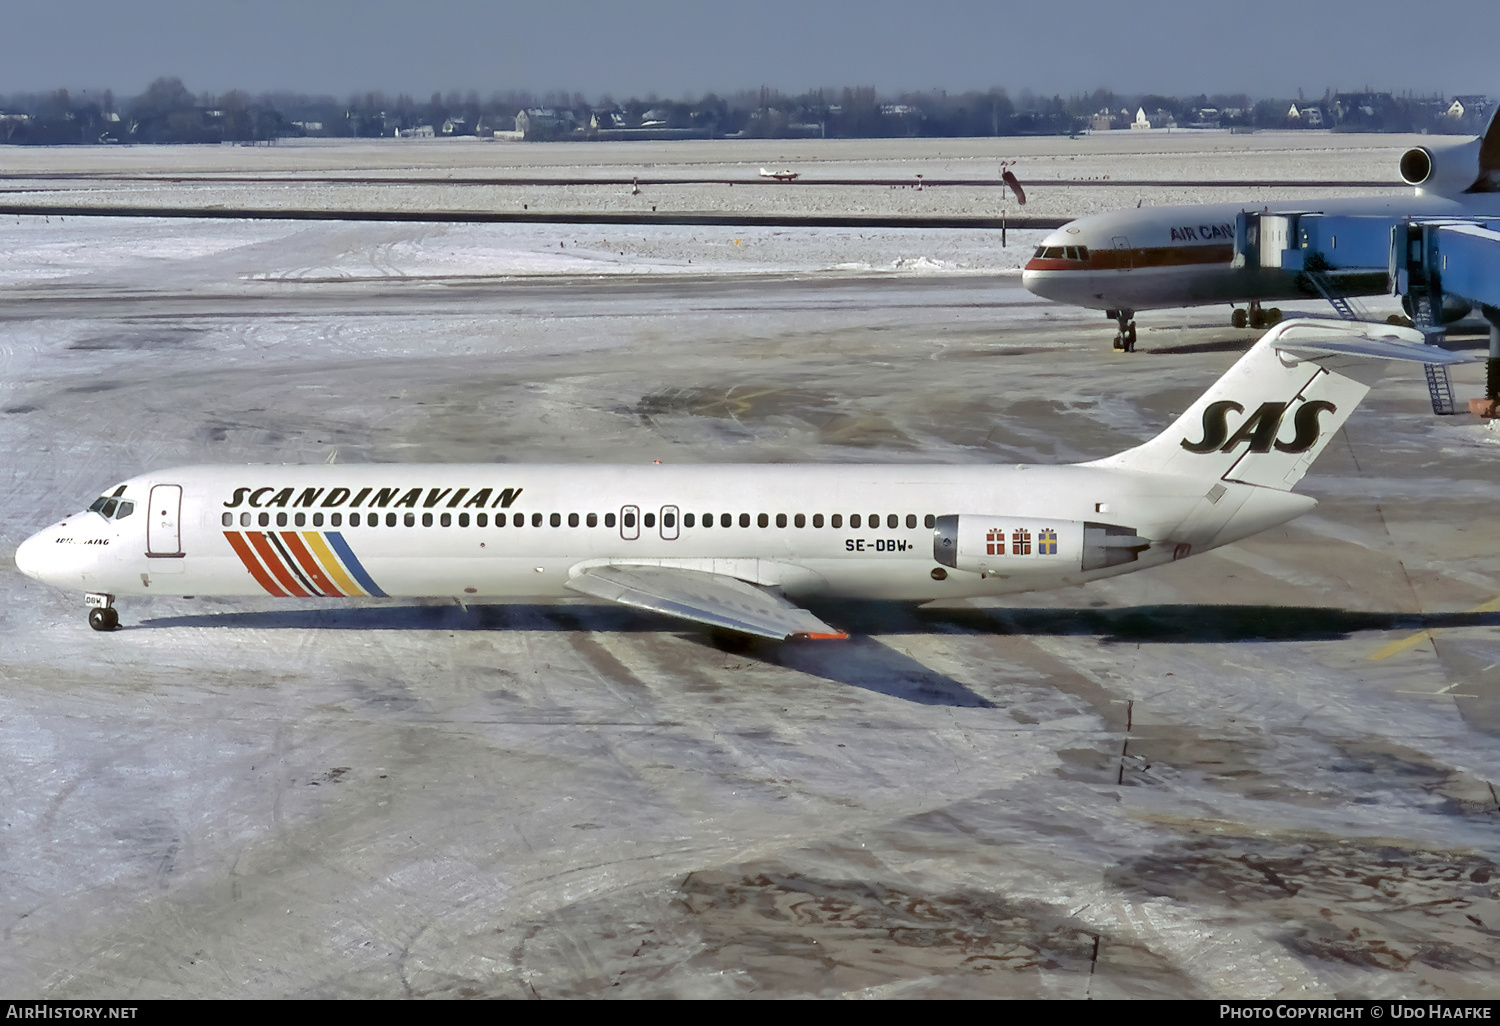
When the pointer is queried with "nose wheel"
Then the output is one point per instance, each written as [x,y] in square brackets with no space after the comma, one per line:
[102,614]
[1125,337]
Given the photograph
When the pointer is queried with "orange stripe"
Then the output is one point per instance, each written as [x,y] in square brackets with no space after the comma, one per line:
[309,565]
[274,564]
[237,542]
[1129,259]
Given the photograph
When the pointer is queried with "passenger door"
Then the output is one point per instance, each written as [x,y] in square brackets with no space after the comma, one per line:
[163,527]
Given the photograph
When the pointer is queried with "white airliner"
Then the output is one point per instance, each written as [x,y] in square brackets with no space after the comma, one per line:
[733,546]
[1157,257]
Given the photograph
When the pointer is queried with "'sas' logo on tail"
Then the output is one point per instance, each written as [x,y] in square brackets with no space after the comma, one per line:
[1260,428]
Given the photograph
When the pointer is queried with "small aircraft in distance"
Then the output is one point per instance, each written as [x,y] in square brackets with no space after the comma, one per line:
[734,547]
[784,175]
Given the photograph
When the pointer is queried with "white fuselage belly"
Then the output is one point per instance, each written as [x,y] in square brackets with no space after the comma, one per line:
[533,562]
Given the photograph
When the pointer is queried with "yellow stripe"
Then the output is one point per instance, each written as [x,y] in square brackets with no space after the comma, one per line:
[1386,651]
[330,563]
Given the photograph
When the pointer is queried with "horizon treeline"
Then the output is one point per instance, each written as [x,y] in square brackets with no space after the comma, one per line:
[168,112]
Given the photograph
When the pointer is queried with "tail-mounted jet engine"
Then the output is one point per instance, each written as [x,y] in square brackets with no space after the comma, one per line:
[1000,544]
[1447,170]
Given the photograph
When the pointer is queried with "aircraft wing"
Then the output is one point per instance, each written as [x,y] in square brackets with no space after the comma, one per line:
[711,599]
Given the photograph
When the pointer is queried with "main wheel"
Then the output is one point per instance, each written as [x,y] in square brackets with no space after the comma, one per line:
[1130,338]
[1257,319]
[1239,318]
[104,619]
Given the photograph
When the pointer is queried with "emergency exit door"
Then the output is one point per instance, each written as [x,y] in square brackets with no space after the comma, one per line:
[163,523]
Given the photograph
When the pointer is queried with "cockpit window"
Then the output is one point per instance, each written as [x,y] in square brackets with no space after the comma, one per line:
[1039,251]
[1053,253]
[111,508]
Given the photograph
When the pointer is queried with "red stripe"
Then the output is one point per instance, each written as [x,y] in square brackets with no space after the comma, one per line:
[274,564]
[1129,259]
[309,564]
[237,542]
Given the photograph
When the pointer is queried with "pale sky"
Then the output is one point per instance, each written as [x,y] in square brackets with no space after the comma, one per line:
[677,48]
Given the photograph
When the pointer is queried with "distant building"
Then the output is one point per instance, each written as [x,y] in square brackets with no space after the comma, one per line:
[545,123]
[1141,121]
[1472,106]
[420,132]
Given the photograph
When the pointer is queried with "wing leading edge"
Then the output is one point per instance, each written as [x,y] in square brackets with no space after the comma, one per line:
[706,598]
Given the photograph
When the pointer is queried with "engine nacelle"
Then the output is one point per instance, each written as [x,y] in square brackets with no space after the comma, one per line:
[999,544]
[1446,170]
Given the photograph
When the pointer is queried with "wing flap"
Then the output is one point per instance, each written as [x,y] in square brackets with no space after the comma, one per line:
[706,598]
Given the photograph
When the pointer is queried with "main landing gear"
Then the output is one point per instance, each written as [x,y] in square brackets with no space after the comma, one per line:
[1125,337]
[103,616]
[1255,317]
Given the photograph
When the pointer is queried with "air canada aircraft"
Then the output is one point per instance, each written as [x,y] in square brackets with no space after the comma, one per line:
[734,547]
[1157,257]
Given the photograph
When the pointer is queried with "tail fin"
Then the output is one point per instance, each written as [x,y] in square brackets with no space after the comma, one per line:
[1489,158]
[1266,420]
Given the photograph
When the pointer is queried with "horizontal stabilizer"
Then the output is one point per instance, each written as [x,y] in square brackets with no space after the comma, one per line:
[1375,348]
[706,598]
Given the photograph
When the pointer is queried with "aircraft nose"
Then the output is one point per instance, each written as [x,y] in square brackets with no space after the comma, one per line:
[30,557]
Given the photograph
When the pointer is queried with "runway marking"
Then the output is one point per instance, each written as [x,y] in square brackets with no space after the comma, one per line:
[1386,651]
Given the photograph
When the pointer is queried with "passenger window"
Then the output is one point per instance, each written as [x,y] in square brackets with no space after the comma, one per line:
[244,519]
[781,520]
[724,520]
[536,520]
[649,519]
[353,520]
[426,520]
[264,520]
[837,520]
[892,521]
[463,520]
[609,520]
[318,519]
[874,520]
[337,519]
[800,520]
[411,520]
[911,520]
[688,520]
[817,520]
[555,520]
[629,520]
[228,519]
[572,519]
[390,520]
[854,520]
[446,520]
[669,519]
[300,519]
[744,519]
[929,521]
[126,508]
[762,520]
[281,520]
[483,520]
[517,519]
[592,520]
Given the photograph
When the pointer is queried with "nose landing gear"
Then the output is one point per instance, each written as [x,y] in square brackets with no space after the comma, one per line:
[1125,337]
[1254,316]
[102,614]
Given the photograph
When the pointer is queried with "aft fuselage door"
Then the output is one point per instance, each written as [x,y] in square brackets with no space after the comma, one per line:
[163,521]
[630,522]
[669,523]
[1122,253]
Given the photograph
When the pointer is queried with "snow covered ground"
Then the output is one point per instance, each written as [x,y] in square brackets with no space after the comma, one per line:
[1265,771]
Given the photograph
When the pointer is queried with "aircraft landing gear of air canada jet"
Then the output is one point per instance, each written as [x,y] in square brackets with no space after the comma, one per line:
[103,616]
[1125,337]
[1254,316]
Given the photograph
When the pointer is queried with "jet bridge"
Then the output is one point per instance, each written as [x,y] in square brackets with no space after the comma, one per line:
[1437,261]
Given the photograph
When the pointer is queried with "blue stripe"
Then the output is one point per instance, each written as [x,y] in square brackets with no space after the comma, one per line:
[352,564]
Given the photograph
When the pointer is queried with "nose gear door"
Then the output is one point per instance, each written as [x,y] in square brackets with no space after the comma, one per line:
[163,522]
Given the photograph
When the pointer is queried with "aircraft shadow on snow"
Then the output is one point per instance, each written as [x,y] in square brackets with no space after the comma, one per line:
[1131,624]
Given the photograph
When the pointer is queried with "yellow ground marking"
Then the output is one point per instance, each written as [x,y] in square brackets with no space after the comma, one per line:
[1386,651]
